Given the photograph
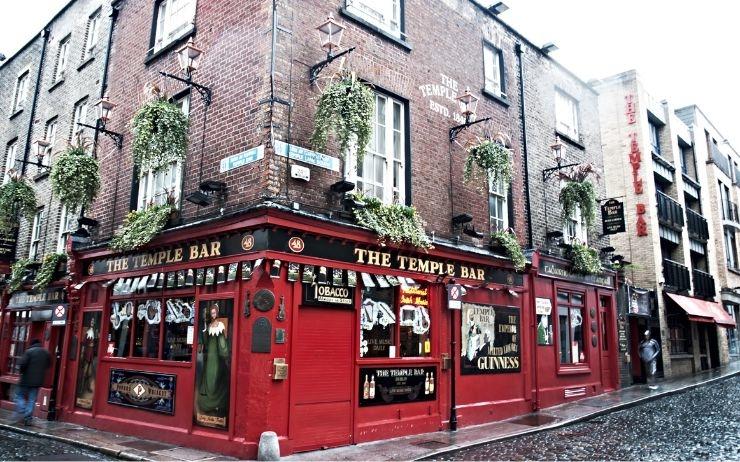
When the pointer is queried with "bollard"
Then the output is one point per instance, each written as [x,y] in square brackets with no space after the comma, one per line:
[268,449]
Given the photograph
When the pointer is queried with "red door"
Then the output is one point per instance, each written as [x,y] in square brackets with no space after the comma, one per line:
[607,344]
[322,379]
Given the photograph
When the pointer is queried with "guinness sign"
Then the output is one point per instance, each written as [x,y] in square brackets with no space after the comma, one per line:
[324,294]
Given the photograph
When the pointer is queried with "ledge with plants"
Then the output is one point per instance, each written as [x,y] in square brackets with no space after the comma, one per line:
[17,273]
[140,227]
[160,135]
[506,240]
[579,193]
[50,267]
[585,259]
[490,159]
[75,177]
[17,200]
[395,223]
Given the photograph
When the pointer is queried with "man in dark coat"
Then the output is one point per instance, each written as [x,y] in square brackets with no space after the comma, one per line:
[33,365]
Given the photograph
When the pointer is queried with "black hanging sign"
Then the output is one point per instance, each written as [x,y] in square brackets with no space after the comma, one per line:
[393,385]
[143,390]
[612,216]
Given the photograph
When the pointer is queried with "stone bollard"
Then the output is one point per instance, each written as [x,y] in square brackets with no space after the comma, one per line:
[269,449]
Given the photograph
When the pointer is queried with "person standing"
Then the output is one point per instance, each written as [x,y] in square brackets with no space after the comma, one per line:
[649,351]
[33,366]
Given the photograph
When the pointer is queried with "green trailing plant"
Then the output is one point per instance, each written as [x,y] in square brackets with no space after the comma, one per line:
[585,259]
[75,177]
[160,131]
[345,107]
[140,227]
[579,192]
[398,224]
[49,266]
[508,241]
[17,272]
[490,157]
[17,200]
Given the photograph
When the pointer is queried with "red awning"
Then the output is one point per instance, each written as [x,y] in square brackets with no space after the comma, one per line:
[703,311]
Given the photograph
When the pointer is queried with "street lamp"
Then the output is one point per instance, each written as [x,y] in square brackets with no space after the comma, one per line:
[468,103]
[103,113]
[189,56]
[39,149]
[330,36]
[558,152]
[103,109]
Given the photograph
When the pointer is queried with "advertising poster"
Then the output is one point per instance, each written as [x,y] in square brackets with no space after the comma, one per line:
[88,361]
[143,390]
[490,339]
[392,385]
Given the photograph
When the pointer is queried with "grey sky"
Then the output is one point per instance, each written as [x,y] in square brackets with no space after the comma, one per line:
[686,51]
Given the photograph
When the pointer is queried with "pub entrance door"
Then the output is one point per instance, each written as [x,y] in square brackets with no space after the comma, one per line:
[321,389]
[608,358]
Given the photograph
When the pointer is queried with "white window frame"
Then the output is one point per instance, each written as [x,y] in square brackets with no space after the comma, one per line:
[21,91]
[498,203]
[575,228]
[11,153]
[493,70]
[384,14]
[172,19]
[62,58]
[38,222]
[65,219]
[385,154]
[79,115]
[92,34]
[50,136]
[654,137]
[566,115]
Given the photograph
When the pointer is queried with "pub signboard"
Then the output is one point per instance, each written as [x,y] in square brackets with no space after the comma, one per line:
[612,217]
[393,385]
[143,390]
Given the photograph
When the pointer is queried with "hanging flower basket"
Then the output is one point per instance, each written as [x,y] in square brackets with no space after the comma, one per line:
[75,177]
[346,107]
[17,200]
[140,227]
[507,241]
[17,273]
[490,158]
[160,131]
[395,223]
[585,259]
[579,193]
[49,268]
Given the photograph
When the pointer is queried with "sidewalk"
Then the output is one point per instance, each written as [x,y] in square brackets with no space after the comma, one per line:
[405,448]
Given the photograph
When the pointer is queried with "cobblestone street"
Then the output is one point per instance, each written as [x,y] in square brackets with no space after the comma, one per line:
[18,446]
[701,424]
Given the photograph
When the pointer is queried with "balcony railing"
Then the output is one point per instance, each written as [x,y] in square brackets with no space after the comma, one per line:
[720,160]
[670,212]
[698,228]
[676,275]
[703,284]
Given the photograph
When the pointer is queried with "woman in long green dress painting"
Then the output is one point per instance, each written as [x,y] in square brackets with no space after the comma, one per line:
[212,397]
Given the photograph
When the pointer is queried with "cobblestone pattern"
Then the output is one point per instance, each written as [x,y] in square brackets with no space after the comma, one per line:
[18,446]
[685,426]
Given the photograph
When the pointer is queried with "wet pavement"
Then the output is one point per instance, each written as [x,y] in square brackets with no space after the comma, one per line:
[700,424]
[18,446]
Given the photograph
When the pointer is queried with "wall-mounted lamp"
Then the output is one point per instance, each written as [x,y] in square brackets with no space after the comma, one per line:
[104,112]
[82,233]
[188,56]
[558,153]
[498,8]
[40,149]
[330,35]
[207,191]
[549,47]
[468,104]
[461,219]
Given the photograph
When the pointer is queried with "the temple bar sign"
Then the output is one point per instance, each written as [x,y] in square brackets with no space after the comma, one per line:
[612,216]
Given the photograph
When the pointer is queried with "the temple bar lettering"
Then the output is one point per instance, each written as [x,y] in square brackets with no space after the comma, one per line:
[420,265]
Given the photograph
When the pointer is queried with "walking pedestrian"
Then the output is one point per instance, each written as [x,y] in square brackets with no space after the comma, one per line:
[33,366]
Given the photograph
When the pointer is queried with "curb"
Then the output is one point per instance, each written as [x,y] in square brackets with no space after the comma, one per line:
[591,415]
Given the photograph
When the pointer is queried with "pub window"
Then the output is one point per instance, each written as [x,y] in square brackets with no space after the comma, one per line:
[38,223]
[50,135]
[67,220]
[10,158]
[575,228]
[566,115]
[146,328]
[178,329]
[172,20]
[570,325]
[21,324]
[497,205]
[493,70]
[91,35]
[62,58]
[395,322]
[386,15]
[79,116]
[654,137]
[21,92]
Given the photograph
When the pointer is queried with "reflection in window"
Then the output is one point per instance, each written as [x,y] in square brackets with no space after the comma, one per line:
[570,329]
[148,318]
[378,323]
[179,329]
[118,338]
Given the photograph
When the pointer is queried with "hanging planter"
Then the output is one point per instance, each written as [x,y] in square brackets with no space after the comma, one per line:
[75,177]
[160,131]
[346,107]
[49,267]
[490,158]
[579,193]
[17,273]
[585,259]
[17,200]
[395,223]
[140,227]
[507,241]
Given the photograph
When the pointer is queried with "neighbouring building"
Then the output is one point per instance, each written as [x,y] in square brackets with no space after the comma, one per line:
[671,208]
[264,305]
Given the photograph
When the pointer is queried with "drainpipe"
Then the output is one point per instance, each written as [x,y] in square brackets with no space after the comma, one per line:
[519,52]
[44,35]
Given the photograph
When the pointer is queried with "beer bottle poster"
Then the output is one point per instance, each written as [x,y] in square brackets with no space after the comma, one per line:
[490,339]
[88,359]
[213,363]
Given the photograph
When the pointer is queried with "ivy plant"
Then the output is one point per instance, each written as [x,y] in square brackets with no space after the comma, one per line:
[140,227]
[489,157]
[345,107]
[508,241]
[585,259]
[17,200]
[49,266]
[17,272]
[579,192]
[395,223]
[75,177]
[160,131]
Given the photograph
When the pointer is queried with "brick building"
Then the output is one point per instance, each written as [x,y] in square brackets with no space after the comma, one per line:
[306,324]
[671,240]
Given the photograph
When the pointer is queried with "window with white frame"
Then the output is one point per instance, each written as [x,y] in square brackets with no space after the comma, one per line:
[654,137]
[79,116]
[38,221]
[21,91]
[497,205]
[382,172]
[157,188]
[62,58]
[566,115]
[67,220]
[91,35]
[10,157]
[50,136]
[730,248]
[493,70]
[384,14]
[172,19]
[575,228]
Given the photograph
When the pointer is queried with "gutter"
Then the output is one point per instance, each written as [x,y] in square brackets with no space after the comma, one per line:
[44,35]
[530,238]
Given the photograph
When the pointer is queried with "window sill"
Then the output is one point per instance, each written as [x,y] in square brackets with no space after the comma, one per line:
[152,56]
[85,63]
[574,370]
[56,85]
[570,140]
[734,270]
[386,361]
[148,362]
[41,176]
[373,28]
[681,356]
[15,114]
[502,101]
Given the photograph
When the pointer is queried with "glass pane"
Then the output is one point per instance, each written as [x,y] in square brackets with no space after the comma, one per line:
[179,329]
[576,324]
[118,337]
[213,368]
[544,330]
[414,321]
[562,297]
[377,323]
[576,299]
[379,169]
[147,331]
[396,116]
[397,151]
[564,335]
[88,359]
